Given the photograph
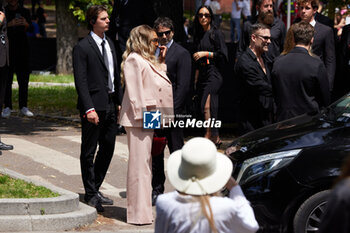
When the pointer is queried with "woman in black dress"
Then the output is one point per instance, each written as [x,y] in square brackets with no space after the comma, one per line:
[210,57]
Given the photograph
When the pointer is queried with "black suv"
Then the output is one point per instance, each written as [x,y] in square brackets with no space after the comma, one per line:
[287,169]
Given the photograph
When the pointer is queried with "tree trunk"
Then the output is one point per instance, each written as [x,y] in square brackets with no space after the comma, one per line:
[66,37]
[174,10]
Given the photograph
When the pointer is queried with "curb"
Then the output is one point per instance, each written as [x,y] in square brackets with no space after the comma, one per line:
[43,214]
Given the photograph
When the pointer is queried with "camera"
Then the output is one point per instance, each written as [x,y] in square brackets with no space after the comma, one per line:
[18,16]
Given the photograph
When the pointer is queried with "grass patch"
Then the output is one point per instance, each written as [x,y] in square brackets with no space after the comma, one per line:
[49,78]
[14,188]
[50,100]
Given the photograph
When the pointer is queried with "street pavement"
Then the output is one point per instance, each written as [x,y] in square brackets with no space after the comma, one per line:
[49,151]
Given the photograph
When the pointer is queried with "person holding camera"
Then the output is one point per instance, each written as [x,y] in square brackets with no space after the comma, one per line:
[18,19]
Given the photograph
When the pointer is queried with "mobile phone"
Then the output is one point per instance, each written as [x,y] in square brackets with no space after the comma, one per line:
[18,15]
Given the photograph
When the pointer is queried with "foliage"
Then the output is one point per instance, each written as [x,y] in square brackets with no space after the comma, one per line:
[51,78]
[14,188]
[79,7]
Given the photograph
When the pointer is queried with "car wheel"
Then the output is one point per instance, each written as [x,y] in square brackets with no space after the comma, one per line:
[308,216]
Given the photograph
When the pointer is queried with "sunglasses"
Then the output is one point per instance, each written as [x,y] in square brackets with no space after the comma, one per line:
[200,15]
[154,40]
[264,37]
[160,34]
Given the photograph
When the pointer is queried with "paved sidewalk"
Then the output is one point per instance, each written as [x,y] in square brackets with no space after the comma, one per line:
[49,151]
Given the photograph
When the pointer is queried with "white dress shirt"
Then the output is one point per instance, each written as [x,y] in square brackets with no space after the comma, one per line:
[178,213]
[98,41]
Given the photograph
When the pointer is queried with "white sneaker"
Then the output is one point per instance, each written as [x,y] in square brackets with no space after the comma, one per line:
[25,111]
[6,113]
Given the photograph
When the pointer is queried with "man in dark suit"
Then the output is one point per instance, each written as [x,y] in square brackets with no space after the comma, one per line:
[178,61]
[4,63]
[255,88]
[323,44]
[300,80]
[99,90]
[126,15]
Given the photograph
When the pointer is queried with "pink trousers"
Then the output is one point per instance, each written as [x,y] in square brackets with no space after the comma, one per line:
[139,176]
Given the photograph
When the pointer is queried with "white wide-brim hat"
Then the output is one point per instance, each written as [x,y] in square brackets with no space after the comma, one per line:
[198,168]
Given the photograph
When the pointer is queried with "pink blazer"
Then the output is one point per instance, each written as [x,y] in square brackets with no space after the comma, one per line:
[146,88]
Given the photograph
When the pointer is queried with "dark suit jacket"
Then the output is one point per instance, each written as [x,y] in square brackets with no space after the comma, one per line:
[300,84]
[128,14]
[345,44]
[178,61]
[324,20]
[256,98]
[324,47]
[91,76]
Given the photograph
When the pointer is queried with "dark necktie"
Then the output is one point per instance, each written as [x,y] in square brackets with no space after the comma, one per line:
[105,58]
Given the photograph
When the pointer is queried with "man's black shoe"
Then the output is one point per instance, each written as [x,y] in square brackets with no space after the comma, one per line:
[96,203]
[0,152]
[154,199]
[104,200]
[4,146]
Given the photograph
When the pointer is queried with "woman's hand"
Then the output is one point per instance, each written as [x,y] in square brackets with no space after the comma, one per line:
[162,53]
[231,183]
[2,16]
[199,55]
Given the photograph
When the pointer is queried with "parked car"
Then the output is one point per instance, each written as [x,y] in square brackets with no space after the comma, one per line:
[287,169]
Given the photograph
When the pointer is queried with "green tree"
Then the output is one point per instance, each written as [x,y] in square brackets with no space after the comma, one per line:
[68,15]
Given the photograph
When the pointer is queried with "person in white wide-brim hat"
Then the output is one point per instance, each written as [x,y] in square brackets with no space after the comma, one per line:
[198,172]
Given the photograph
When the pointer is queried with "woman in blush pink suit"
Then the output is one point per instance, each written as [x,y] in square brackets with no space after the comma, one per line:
[147,88]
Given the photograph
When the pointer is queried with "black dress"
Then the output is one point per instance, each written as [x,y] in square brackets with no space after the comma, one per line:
[210,71]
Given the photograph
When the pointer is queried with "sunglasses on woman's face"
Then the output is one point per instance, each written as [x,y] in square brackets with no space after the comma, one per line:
[155,40]
[160,34]
[200,15]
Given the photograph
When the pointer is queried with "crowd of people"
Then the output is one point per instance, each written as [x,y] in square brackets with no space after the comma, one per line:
[135,68]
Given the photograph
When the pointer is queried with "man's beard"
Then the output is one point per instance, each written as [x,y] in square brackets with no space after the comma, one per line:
[164,41]
[266,17]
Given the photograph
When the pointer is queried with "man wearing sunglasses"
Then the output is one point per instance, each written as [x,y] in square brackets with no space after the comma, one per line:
[178,61]
[253,74]
[278,31]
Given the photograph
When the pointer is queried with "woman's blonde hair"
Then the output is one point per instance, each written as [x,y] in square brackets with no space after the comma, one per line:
[140,42]
[204,201]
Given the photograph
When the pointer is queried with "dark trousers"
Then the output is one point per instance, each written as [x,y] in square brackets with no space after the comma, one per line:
[175,139]
[3,80]
[23,80]
[94,172]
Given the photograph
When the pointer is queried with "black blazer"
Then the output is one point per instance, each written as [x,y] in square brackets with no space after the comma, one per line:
[179,66]
[300,84]
[255,90]
[324,47]
[91,76]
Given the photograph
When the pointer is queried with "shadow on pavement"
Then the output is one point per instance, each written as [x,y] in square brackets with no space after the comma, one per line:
[29,126]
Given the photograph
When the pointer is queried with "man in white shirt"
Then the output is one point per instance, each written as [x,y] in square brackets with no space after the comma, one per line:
[215,6]
[246,10]
[323,44]
[99,90]
[237,6]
